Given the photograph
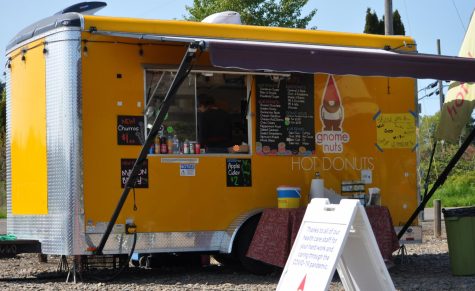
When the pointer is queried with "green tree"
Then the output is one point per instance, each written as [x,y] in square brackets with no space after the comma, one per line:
[398,26]
[444,151]
[458,189]
[282,13]
[374,25]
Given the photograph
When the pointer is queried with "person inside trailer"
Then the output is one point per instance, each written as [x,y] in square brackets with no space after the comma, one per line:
[214,126]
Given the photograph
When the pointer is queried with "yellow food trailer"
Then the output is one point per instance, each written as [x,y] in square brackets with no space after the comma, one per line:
[88,95]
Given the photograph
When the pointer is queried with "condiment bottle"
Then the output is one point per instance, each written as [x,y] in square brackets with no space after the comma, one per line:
[176,145]
[157,144]
[163,145]
[186,147]
[170,144]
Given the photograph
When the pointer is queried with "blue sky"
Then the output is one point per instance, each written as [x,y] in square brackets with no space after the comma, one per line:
[425,20]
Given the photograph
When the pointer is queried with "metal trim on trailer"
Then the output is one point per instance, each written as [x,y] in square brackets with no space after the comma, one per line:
[40,36]
[46,27]
[61,230]
[162,242]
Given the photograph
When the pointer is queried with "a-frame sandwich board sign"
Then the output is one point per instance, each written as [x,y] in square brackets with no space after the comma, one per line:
[335,236]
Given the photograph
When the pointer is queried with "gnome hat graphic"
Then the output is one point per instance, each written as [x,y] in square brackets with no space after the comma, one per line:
[331,93]
[331,112]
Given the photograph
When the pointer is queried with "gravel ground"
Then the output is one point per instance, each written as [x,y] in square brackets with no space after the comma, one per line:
[425,267]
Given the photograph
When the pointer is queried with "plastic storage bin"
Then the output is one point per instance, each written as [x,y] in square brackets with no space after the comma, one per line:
[460,227]
[288,197]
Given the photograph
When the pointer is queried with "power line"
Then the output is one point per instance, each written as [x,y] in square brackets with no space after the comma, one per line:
[433,93]
[431,85]
[408,21]
[460,18]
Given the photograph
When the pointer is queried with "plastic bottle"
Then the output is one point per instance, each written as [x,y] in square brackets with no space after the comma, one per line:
[186,147]
[163,145]
[157,144]
[176,145]
[170,144]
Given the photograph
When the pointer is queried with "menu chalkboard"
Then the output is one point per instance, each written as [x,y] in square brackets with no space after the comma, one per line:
[126,166]
[285,115]
[238,173]
[130,130]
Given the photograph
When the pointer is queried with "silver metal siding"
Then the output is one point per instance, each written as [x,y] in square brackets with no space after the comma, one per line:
[58,231]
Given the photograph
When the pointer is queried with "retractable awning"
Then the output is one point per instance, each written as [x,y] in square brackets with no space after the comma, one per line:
[281,57]
[263,56]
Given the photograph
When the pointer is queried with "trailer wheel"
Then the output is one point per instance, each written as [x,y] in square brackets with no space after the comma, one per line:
[242,245]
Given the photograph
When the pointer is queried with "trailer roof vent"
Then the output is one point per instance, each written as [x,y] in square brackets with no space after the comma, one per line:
[87,8]
[230,17]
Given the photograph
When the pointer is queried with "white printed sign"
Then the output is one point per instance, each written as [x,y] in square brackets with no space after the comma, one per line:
[317,249]
[187,170]
[323,244]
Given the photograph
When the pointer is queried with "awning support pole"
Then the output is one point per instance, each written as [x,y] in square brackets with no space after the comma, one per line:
[182,72]
[440,181]
[426,183]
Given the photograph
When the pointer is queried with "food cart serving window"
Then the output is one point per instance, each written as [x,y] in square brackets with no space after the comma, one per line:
[208,114]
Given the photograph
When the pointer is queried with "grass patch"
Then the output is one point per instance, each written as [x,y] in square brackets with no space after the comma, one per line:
[457,191]
[3,211]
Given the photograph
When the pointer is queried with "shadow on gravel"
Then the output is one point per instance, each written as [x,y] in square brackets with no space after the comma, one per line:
[421,264]
[45,277]
[210,275]
[428,272]
[164,276]
[213,276]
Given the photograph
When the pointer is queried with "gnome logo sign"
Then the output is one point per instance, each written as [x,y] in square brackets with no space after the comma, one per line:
[332,137]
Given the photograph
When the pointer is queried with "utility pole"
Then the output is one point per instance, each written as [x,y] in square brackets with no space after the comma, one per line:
[441,92]
[388,17]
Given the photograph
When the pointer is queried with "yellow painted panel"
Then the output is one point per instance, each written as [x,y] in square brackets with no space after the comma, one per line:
[28,133]
[247,32]
[394,171]
[203,202]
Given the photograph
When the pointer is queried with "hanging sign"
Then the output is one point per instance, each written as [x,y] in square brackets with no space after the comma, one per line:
[395,130]
[126,166]
[238,173]
[130,130]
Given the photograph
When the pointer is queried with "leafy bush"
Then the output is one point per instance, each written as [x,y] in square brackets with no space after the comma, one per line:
[458,190]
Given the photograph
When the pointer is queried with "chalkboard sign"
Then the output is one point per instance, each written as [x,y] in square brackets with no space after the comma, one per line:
[126,166]
[238,173]
[285,115]
[130,130]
